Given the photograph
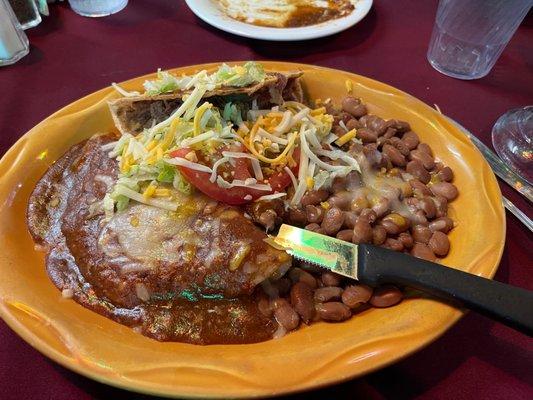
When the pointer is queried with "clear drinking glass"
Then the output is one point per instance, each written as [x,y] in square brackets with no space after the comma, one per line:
[13,41]
[469,35]
[512,138]
[97,8]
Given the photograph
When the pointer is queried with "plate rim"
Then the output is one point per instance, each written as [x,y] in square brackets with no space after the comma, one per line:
[207,13]
[33,340]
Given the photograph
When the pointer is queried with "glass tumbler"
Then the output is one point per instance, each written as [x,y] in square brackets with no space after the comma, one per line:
[469,35]
[13,41]
[97,8]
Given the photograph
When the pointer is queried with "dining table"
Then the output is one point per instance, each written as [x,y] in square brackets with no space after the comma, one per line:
[71,56]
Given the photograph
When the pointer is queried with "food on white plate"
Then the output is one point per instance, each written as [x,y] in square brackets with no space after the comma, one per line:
[163,226]
[286,13]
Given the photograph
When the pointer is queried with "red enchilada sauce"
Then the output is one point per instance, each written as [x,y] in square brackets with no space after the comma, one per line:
[59,221]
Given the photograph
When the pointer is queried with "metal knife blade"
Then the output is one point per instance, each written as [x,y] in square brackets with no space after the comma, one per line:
[327,252]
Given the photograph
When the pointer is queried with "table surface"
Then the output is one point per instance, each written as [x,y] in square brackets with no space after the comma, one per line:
[72,56]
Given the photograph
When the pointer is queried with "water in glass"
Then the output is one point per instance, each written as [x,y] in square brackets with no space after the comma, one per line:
[97,8]
[469,36]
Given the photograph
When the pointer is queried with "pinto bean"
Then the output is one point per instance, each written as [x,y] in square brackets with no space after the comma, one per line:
[419,218]
[389,133]
[415,168]
[352,105]
[345,234]
[443,224]
[428,207]
[342,116]
[381,207]
[333,220]
[406,240]
[362,231]
[333,311]
[349,219]
[297,216]
[442,206]
[279,302]
[287,317]
[283,285]
[402,147]
[379,234]
[400,126]
[445,174]
[425,148]
[314,197]
[421,250]
[302,301]
[367,135]
[369,215]
[269,219]
[353,124]
[439,243]
[299,275]
[340,199]
[314,227]
[445,189]
[331,279]
[355,295]
[265,306]
[419,189]
[394,154]
[327,293]
[421,234]
[426,159]
[395,223]
[338,130]
[410,139]
[393,244]
[375,123]
[386,296]
[314,214]
[359,203]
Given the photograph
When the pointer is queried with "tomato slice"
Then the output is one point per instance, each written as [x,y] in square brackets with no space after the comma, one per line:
[241,171]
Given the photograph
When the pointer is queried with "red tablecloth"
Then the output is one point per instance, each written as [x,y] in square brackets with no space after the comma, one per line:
[72,56]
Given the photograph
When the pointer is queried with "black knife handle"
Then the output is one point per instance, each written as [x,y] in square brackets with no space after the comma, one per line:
[507,304]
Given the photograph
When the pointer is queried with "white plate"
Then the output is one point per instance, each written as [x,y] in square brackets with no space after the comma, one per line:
[209,11]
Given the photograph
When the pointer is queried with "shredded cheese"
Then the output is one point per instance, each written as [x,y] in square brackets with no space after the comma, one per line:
[132,194]
[346,137]
[188,164]
[217,164]
[272,196]
[198,116]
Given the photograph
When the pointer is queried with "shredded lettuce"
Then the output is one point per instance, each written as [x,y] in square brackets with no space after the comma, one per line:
[166,172]
[108,206]
[122,202]
[232,113]
[323,179]
[165,83]
[238,76]
[181,184]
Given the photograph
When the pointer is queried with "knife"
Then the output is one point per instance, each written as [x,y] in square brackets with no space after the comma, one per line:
[375,266]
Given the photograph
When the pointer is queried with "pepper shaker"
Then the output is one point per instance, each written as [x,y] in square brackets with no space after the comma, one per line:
[27,12]
[13,41]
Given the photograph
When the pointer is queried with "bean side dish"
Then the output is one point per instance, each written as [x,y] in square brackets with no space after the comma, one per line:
[163,224]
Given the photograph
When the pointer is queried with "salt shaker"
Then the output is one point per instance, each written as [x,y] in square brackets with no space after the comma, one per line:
[27,12]
[13,41]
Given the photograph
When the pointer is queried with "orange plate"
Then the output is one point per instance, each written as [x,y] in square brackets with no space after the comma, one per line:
[310,357]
